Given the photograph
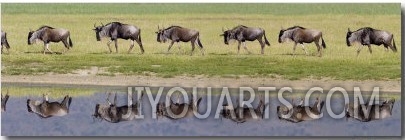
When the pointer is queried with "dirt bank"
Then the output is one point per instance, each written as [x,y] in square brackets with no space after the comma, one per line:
[200,81]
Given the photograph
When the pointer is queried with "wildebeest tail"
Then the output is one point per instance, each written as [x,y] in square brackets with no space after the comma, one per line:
[139,36]
[6,42]
[70,101]
[70,42]
[199,42]
[395,47]
[323,43]
[265,38]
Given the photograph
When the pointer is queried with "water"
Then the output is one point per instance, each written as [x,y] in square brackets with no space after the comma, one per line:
[79,122]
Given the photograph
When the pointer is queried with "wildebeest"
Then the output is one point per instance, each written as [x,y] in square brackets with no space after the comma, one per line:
[116,30]
[368,36]
[4,42]
[177,34]
[298,113]
[46,109]
[241,114]
[114,114]
[177,109]
[49,34]
[301,35]
[359,111]
[4,100]
[243,33]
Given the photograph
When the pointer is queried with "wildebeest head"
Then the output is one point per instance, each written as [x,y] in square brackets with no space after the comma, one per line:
[282,110]
[281,36]
[227,35]
[161,37]
[226,111]
[388,105]
[31,39]
[160,109]
[349,37]
[98,30]
[96,112]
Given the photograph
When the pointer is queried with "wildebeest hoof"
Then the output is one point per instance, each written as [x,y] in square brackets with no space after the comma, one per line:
[28,105]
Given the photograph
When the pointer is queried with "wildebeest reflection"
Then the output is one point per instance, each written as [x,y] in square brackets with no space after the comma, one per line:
[366,112]
[241,114]
[49,34]
[4,100]
[243,33]
[301,35]
[368,36]
[46,109]
[177,34]
[4,42]
[175,110]
[114,114]
[116,30]
[300,112]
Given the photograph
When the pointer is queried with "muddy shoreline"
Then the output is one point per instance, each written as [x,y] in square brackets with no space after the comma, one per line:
[198,81]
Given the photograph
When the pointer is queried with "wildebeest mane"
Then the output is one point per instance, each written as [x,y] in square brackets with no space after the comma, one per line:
[240,26]
[295,27]
[45,26]
[173,26]
[366,29]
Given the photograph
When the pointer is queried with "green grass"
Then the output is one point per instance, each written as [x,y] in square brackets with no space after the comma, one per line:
[200,8]
[54,92]
[339,61]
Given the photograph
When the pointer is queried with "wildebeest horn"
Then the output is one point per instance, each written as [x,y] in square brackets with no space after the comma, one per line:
[115,98]
[94,25]
[223,29]
[348,29]
[102,24]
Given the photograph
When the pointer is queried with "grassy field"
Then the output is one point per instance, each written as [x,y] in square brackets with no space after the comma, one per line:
[338,62]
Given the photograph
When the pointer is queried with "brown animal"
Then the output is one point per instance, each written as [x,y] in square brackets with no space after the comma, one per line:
[49,34]
[299,113]
[301,35]
[177,109]
[376,111]
[177,34]
[46,109]
[114,114]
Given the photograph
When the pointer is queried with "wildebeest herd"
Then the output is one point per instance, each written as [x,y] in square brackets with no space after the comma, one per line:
[299,35]
[295,113]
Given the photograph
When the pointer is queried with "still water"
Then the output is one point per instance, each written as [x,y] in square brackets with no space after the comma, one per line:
[17,121]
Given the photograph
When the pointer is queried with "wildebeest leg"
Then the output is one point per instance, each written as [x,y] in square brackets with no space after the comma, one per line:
[66,45]
[319,48]
[108,44]
[170,46]
[359,49]
[306,52]
[116,45]
[45,97]
[369,49]
[261,45]
[244,46]
[140,45]
[192,47]
[47,48]
[132,45]
[386,48]
[295,46]
[238,46]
